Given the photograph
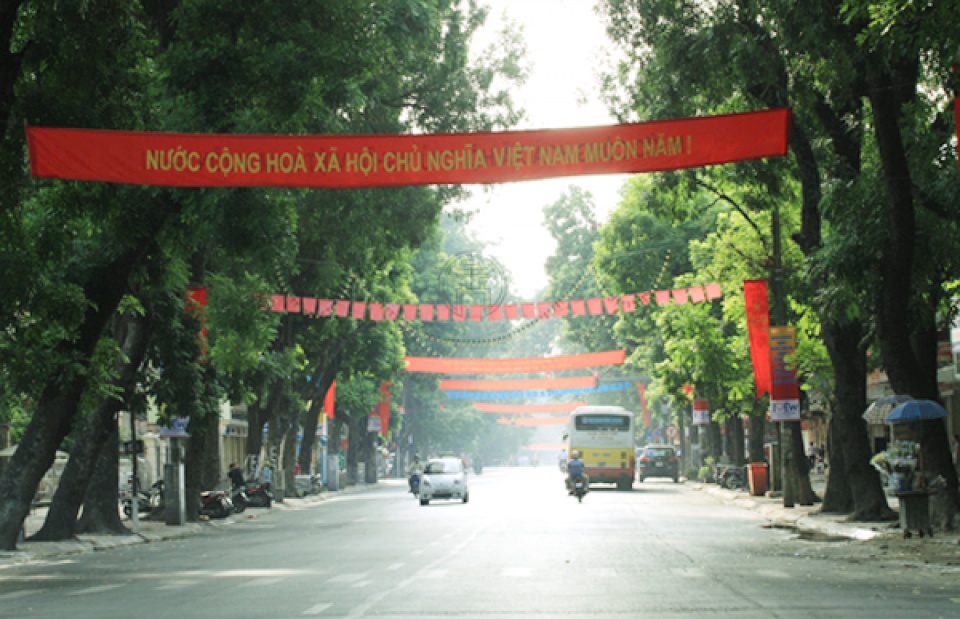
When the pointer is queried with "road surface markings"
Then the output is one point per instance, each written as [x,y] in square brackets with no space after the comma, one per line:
[179,584]
[517,572]
[264,581]
[362,583]
[689,572]
[348,578]
[316,610]
[91,590]
[773,574]
[19,594]
[394,567]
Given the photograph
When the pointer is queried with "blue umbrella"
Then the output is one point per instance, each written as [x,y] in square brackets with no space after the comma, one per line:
[916,410]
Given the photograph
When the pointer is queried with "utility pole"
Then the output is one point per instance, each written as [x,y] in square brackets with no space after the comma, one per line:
[780,320]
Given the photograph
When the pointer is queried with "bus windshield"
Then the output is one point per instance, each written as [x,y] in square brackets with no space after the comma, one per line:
[620,423]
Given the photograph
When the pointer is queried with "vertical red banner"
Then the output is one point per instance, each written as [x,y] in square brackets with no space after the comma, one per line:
[383,408]
[642,391]
[330,400]
[758,324]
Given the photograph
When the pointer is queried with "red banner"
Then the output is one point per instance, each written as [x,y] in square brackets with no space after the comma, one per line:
[575,382]
[383,408]
[452,365]
[535,421]
[784,392]
[642,392]
[758,322]
[527,409]
[333,161]
[330,400]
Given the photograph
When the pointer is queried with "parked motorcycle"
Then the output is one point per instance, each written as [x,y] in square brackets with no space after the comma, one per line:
[579,488]
[215,504]
[733,478]
[258,495]
[149,501]
[238,496]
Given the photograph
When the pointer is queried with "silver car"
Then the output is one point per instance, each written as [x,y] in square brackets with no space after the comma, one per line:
[444,478]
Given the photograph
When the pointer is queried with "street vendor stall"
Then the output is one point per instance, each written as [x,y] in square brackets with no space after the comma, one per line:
[903,463]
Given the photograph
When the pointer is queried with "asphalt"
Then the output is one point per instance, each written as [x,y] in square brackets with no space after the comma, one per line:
[806,520]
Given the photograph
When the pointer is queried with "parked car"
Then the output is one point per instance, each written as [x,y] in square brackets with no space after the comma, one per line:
[444,478]
[658,461]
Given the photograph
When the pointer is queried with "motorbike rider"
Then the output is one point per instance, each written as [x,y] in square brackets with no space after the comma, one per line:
[235,475]
[575,468]
[416,469]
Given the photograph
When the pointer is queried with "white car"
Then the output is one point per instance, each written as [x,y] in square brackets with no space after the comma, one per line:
[444,478]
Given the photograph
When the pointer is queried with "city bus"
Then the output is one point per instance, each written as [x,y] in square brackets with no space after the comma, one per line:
[604,437]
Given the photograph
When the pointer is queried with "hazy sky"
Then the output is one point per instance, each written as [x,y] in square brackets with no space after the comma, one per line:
[563,39]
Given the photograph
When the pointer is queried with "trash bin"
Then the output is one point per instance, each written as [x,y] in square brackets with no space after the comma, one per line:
[915,512]
[757,477]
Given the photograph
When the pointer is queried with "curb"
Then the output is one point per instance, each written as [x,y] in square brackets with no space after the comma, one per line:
[152,531]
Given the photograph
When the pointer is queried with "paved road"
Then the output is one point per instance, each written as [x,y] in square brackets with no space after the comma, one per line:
[519,548]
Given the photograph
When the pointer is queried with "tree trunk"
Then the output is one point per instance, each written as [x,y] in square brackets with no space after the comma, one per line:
[57,406]
[838,497]
[757,435]
[310,420]
[131,332]
[100,509]
[370,457]
[848,429]
[289,460]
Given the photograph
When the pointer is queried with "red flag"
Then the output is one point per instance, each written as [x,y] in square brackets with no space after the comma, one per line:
[560,308]
[511,311]
[612,304]
[578,307]
[376,311]
[543,310]
[713,291]
[629,303]
[663,297]
[527,310]
[644,297]
[384,408]
[409,311]
[293,305]
[758,323]
[359,310]
[324,307]
[330,400]
[443,312]
[309,306]
[278,303]
[642,391]
[680,296]
[426,311]
[393,311]
[595,306]
[342,308]
[494,312]
[697,294]
[459,313]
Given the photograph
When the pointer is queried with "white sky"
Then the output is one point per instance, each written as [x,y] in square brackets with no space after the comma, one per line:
[564,40]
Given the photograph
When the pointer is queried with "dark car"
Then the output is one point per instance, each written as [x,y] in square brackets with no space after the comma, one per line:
[658,461]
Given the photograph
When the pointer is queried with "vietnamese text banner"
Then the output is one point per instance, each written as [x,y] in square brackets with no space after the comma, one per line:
[527,409]
[523,365]
[542,393]
[450,384]
[344,161]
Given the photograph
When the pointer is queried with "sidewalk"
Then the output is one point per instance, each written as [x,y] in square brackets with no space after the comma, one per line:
[876,540]
[153,530]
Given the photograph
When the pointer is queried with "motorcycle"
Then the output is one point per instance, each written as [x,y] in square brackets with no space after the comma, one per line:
[146,501]
[238,496]
[579,488]
[415,483]
[258,495]
[215,504]
[733,478]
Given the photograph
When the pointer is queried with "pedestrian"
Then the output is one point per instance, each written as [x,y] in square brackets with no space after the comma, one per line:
[812,455]
[267,474]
